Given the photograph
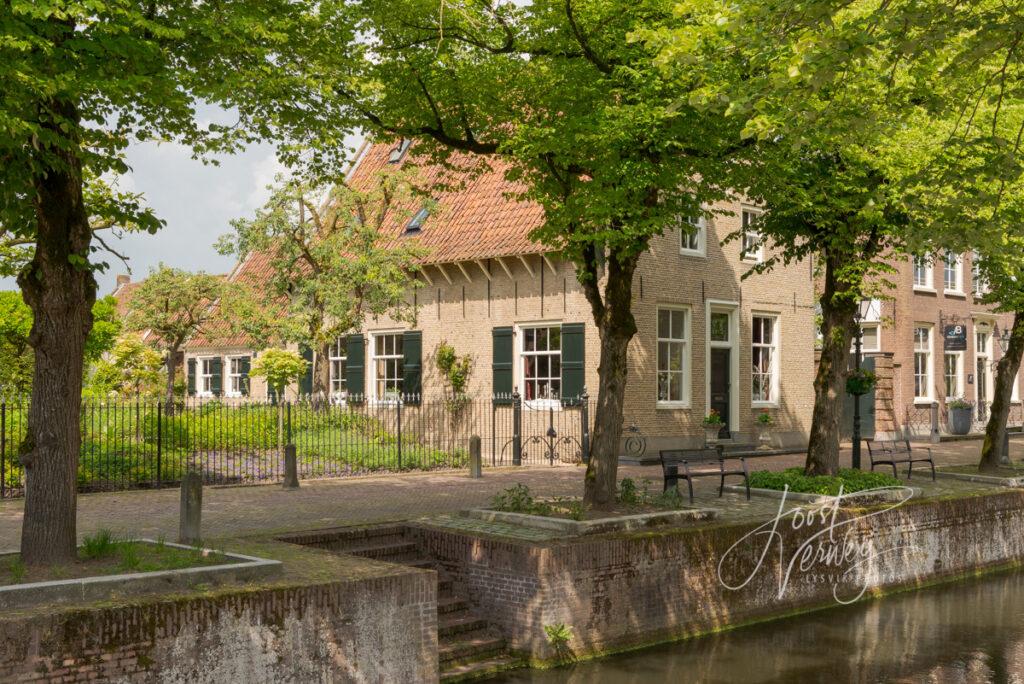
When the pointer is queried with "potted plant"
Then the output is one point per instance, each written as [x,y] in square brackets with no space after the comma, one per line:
[860,381]
[713,424]
[961,413]
[764,430]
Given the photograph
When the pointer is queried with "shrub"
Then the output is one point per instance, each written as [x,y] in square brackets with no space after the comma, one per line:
[628,493]
[850,479]
[99,545]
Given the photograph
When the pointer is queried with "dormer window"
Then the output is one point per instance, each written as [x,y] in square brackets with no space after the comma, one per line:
[416,222]
[399,152]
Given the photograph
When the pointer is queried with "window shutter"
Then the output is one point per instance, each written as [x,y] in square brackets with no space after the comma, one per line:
[244,380]
[573,362]
[215,376]
[306,381]
[190,377]
[354,368]
[501,365]
[412,366]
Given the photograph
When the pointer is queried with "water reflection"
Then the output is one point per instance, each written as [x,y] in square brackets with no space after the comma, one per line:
[971,632]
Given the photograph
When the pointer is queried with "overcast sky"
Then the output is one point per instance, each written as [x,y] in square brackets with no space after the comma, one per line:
[196,201]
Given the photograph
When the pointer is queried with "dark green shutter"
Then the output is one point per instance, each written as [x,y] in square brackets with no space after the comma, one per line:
[354,368]
[501,365]
[216,373]
[412,366]
[244,380]
[306,381]
[190,377]
[573,362]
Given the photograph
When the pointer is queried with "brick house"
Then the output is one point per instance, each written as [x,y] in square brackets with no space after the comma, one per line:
[706,339]
[939,339]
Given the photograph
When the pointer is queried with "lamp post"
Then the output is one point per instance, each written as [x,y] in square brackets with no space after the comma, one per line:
[1003,339]
[863,310]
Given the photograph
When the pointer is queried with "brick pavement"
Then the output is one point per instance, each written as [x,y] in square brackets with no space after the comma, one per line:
[238,511]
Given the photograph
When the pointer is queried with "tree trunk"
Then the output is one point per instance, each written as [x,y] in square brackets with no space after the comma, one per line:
[837,310]
[172,367]
[992,453]
[321,376]
[616,327]
[60,289]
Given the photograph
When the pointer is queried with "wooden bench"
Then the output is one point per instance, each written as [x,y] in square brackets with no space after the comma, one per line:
[699,463]
[892,451]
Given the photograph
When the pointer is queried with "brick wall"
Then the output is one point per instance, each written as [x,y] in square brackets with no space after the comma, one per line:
[380,629]
[626,591]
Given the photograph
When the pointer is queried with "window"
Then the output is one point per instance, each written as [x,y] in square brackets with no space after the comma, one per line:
[541,358]
[673,355]
[719,327]
[951,375]
[206,367]
[752,248]
[952,273]
[870,340]
[764,358]
[399,151]
[983,365]
[922,273]
[693,236]
[978,281]
[416,222]
[922,362]
[237,375]
[387,365]
[337,356]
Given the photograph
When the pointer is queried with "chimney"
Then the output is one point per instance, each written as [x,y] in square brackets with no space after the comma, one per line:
[123,279]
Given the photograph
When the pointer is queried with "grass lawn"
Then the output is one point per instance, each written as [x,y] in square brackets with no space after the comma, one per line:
[103,554]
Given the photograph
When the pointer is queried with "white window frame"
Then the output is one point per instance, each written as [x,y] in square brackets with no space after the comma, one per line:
[776,349]
[337,352]
[687,343]
[374,358]
[957,269]
[231,376]
[959,377]
[755,256]
[700,223]
[984,352]
[930,362]
[732,308]
[1015,394]
[204,380]
[520,368]
[924,263]
[979,285]
[865,326]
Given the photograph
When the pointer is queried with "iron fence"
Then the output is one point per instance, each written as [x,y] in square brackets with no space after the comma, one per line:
[139,443]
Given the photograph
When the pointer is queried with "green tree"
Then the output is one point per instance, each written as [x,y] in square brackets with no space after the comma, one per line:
[173,305]
[132,368]
[81,81]
[281,368]
[330,264]
[595,132]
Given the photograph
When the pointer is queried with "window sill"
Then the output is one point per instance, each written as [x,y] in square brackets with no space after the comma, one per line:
[925,290]
[693,253]
[918,401]
[672,405]
[764,404]
[543,405]
[955,293]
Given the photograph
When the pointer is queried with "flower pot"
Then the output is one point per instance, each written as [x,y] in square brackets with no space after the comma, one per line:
[711,433]
[960,420]
[764,436]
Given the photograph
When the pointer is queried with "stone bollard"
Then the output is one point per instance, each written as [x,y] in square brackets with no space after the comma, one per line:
[191,509]
[475,461]
[291,468]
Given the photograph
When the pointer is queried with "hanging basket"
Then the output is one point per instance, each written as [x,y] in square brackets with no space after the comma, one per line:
[860,382]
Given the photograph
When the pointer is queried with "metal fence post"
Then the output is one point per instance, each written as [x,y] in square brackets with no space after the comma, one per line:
[935,424]
[288,433]
[585,426]
[159,443]
[398,418]
[517,425]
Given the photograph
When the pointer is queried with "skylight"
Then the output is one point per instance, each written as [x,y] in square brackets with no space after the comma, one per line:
[399,152]
[416,222]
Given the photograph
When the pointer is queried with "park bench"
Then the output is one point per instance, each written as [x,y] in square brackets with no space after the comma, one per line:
[892,451]
[705,462]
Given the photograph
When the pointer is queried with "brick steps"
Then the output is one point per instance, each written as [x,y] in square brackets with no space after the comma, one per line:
[468,646]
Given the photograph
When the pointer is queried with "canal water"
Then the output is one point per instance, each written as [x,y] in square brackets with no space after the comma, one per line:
[969,632]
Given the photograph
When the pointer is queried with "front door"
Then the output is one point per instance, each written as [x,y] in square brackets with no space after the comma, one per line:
[720,389]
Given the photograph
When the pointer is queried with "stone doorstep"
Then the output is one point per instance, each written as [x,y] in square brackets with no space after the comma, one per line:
[623,523]
[888,496]
[982,479]
[87,589]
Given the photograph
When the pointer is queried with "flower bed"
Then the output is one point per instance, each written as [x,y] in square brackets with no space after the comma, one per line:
[849,479]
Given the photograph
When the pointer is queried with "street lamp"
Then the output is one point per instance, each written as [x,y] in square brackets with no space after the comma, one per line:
[863,311]
[1003,338]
